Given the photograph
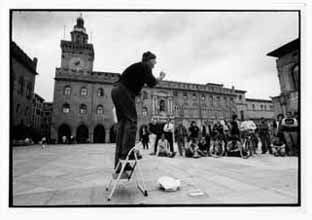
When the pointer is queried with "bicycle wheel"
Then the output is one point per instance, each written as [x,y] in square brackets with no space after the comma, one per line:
[245,150]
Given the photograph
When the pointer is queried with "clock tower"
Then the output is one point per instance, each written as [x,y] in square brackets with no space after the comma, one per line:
[77,54]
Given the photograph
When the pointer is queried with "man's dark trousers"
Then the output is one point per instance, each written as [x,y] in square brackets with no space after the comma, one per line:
[124,101]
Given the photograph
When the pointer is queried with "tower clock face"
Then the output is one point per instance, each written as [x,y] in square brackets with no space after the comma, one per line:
[76,63]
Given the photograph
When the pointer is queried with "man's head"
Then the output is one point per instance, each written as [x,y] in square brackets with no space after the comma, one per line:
[193,123]
[280,117]
[234,117]
[154,120]
[262,119]
[149,58]
[163,136]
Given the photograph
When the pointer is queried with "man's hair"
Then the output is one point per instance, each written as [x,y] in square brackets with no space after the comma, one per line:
[234,117]
[148,56]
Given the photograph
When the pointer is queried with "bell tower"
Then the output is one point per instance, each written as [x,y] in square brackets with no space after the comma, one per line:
[77,54]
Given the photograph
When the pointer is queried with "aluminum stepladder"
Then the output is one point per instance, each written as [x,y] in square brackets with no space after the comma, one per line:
[126,175]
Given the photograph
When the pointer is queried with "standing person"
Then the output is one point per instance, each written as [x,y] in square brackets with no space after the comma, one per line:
[169,129]
[43,142]
[144,136]
[277,126]
[264,135]
[123,95]
[194,132]
[289,127]
[180,135]
[155,128]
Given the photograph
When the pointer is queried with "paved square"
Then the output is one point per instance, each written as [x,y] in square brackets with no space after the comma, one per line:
[77,175]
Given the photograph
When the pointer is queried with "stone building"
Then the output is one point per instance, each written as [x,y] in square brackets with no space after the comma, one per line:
[23,73]
[288,70]
[82,105]
[37,111]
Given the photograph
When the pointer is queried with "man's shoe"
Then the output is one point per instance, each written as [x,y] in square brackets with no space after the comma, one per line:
[173,154]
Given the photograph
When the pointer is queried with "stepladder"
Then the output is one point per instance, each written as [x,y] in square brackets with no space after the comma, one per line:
[126,170]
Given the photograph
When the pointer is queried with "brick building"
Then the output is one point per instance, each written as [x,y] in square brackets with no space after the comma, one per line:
[288,70]
[23,75]
[82,105]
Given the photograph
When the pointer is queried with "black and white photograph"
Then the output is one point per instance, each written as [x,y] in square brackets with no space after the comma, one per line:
[154,108]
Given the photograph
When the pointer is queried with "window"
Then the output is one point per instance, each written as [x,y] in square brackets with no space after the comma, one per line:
[99,110]
[194,95]
[144,111]
[203,97]
[175,93]
[240,97]
[83,91]
[83,109]
[28,91]
[264,107]
[66,108]
[162,105]
[261,107]
[185,95]
[253,106]
[67,90]
[100,92]
[21,85]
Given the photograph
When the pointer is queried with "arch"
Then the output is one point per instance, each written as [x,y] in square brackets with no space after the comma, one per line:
[99,134]
[64,130]
[82,134]
[162,105]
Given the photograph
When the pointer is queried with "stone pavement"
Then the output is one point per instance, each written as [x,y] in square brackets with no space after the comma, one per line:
[77,174]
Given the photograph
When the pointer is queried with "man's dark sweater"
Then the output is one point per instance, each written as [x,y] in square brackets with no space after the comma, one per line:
[136,75]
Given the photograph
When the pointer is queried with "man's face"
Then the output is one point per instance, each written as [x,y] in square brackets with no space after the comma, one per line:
[151,63]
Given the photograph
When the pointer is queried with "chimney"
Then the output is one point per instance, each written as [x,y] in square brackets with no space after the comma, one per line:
[35,61]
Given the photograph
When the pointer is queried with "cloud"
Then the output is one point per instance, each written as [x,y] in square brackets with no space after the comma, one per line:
[199,47]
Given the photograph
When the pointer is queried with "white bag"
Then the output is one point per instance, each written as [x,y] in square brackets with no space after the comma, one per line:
[169,184]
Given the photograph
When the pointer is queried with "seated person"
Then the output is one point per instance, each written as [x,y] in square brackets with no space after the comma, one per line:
[203,145]
[163,149]
[192,150]
[278,147]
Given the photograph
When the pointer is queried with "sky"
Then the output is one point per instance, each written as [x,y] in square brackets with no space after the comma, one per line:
[197,47]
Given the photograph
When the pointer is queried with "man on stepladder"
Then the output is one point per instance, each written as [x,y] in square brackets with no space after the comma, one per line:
[123,95]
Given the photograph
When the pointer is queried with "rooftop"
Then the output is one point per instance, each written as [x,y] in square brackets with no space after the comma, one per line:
[289,47]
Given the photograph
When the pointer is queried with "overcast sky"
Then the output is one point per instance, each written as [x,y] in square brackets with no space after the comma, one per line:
[199,47]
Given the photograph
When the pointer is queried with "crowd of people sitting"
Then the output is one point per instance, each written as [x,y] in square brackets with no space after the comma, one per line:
[279,138]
